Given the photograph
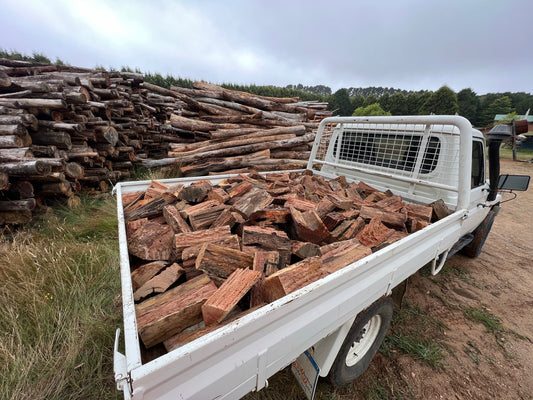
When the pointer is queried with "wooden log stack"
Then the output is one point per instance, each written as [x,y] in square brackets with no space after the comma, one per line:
[202,255]
[63,129]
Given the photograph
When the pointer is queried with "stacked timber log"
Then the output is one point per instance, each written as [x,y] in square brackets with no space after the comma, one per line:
[204,254]
[63,129]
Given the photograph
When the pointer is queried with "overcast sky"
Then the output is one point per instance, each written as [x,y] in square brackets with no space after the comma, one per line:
[484,45]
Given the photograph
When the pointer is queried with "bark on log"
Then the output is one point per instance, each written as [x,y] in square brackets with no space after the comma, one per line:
[167,314]
[152,241]
[17,205]
[221,261]
[159,283]
[15,154]
[17,130]
[24,168]
[145,272]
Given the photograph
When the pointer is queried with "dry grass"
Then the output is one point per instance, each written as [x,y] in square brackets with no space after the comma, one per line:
[59,285]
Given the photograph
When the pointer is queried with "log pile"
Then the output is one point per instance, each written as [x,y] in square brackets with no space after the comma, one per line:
[63,129]
[202,255]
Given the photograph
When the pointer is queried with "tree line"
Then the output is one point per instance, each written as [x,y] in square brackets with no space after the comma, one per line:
[478,109]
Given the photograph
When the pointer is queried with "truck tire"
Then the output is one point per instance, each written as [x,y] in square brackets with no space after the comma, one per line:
[473,249]
[362,342]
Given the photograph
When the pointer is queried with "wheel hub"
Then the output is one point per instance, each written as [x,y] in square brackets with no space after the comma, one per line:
[364,341]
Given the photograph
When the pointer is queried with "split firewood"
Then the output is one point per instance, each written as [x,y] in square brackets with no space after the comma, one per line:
[293,277]
[374,233]
[195,192]
[415,224]
[202,215]
[175,220]
[145,272]
[395,220]
[132,226]
[254,200]
[218,194]
[421,212]
[355,226]
[333,219]
[222,261]
[166,314]
[171,194]
[268,239]
[219,305]
[188,239]
[343,255]
[269,217]
[440,210]
[229,218]
[304,249]
[155,189]
[308,226]
[147,208]
[393,237]
[190,253]
[151,241]
[160,282]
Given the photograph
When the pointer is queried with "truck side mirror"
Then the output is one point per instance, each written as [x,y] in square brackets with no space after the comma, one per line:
[513,182]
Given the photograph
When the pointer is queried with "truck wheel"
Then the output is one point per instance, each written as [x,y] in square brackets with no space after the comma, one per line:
[473,249]
[362,342]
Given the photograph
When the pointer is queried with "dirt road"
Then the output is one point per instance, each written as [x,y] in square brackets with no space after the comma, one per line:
[485,306]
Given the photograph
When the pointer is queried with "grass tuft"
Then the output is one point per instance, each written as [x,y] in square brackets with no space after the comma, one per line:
[424,349]
[492,323]
[59,283]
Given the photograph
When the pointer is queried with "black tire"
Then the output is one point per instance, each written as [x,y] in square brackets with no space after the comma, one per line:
[473,249]
[348,364]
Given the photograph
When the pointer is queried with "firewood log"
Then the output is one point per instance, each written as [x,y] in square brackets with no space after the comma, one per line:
[164,315]
[219,305]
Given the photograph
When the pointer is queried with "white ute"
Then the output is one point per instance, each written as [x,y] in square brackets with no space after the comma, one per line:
[335,325]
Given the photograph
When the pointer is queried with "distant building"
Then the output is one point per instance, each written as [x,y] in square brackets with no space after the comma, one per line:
[499,117]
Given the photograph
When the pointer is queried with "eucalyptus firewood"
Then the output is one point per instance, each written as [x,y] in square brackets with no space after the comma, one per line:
[167,314]
[160,282]
[348,252]
[219,305]
[222,261]
[308,226]
[188,239]
[145,272]
[395,220]
[374,233]
[151,241]
[292,278]
[202,215]
[175,220]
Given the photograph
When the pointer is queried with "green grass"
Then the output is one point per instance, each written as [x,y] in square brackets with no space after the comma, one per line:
[145,174]
[521,155]
[425,349]
[412,333]
[59,285]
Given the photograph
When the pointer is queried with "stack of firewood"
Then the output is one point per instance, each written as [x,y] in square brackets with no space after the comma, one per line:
[203,254]
[65,128]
